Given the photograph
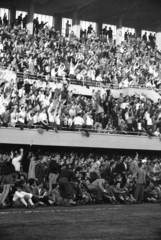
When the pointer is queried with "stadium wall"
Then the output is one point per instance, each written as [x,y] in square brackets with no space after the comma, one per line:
[76,139]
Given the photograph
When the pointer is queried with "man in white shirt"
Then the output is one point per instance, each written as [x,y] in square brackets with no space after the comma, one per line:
[43,119]
[21,118]
[78,121]
[99,78]
[88,121]
[16,161]
[21,92]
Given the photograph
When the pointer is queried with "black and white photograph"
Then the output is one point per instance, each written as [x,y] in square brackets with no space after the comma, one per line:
[80,119]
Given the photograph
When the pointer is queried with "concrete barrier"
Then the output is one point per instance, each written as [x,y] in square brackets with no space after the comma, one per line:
[76,139]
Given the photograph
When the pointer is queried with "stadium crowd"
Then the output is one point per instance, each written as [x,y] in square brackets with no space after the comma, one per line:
[47,53]
[51,104]
[40,97]
[43,105]
[32,177]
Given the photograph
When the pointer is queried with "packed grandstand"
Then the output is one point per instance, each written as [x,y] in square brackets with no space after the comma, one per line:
[50,82]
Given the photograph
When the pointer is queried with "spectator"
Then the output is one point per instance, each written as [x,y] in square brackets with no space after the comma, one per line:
[67,28]
[140,184]
[53,172]
[40,170]
[66,190]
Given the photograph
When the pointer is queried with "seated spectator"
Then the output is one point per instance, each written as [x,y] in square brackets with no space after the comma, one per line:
[78,121]
[98,188]
[22,199]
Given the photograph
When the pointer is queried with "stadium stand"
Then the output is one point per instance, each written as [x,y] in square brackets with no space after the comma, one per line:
[38,71]
[43,82]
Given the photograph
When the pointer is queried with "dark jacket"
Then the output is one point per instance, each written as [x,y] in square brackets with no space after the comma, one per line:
[40,172]
[7,168]
[67,173]
[53,167]
[25,160]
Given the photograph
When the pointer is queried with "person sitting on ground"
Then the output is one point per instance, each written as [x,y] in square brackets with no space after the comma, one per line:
[21,198]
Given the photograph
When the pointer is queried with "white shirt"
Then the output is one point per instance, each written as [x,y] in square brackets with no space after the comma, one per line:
[13,117]
[21,92]
[72,69]
[156,133]
[42,117]
[137,106]
[78,120]
[36,119]
[99,78]
[70,122]
[2,110]
[124,105]
[22,117]
[149,121]
[139,126]
[89,121]
[57,120]
[41,97]
[51,117]
[16,162]
[147,115]
[21,194]
[53,73]
[1,46]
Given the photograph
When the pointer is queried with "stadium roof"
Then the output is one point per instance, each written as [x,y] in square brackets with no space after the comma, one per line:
[143,14]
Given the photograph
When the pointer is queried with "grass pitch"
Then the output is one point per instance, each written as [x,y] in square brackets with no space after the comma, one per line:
[94,222]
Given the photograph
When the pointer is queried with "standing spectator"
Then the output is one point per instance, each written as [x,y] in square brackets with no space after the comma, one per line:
[53,173]
[145,37]
[90,29]
[5,21]
[31,170]
[104,31]
[140,183]
[7,179]
[16,161]
[40,171]
[66,190]
[110,34]
[24,20]
[133,165]
[67,29]
[19,20]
